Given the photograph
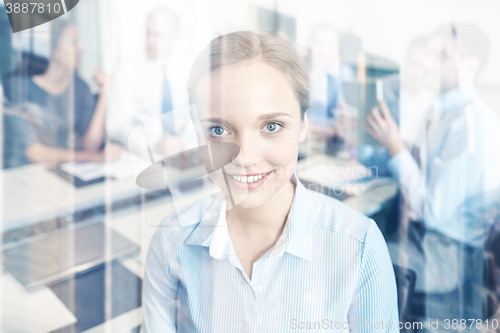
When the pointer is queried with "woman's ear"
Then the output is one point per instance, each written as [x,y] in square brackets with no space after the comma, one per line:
[304,128]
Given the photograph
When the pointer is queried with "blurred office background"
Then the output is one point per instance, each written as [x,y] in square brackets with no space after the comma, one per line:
[76,227]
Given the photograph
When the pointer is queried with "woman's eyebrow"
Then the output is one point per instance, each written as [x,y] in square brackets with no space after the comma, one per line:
[261,117]
[213,120]
[273,115]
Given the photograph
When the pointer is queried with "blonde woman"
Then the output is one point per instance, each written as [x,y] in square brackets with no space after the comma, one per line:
[284,258]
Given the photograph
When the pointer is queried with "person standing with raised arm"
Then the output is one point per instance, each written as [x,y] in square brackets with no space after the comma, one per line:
[458,184]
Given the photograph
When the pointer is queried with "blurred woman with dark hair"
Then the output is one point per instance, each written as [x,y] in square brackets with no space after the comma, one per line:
[53,117]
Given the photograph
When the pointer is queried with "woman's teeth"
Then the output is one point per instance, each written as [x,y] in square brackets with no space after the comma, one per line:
[245,179]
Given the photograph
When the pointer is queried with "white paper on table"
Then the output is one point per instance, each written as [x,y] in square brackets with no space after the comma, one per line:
[119,169]
[84,170]
[328,171]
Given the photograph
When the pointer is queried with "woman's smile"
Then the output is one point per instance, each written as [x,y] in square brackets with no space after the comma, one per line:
[248,182]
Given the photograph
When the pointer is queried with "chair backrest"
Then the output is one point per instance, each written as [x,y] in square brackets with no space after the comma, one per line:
[492,264]
[30,64]
[405,281]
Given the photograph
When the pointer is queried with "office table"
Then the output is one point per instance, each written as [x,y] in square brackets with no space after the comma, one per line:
[33,193]
[341,179]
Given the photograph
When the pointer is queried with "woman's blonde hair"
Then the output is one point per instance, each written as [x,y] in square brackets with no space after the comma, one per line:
[245,46]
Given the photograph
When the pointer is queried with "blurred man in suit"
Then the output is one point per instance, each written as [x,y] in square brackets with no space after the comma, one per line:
[150,87]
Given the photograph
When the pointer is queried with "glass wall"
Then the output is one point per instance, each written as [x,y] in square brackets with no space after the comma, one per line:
[108,157]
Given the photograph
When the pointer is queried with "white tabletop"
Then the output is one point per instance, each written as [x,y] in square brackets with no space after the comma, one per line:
[341,177]
[33,193]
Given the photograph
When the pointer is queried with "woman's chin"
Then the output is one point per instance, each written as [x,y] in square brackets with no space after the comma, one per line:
[250,202]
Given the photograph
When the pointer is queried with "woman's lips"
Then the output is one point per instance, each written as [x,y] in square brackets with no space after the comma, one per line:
[248,186]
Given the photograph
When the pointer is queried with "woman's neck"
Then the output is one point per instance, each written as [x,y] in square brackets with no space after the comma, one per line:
[56,79]
[265,221]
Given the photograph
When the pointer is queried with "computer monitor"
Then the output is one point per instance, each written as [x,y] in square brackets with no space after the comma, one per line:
[363,96]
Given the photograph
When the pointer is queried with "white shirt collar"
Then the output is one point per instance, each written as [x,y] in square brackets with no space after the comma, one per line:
[296,236]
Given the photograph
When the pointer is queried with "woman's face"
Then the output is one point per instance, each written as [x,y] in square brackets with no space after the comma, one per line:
[254,107]
[69,50]
[160,35]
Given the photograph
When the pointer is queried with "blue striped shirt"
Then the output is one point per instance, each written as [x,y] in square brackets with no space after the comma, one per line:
[329,271]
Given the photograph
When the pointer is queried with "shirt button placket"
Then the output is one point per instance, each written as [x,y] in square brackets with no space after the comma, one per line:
[258,287]
[258,314]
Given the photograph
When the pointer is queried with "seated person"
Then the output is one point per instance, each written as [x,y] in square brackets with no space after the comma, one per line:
[150,86]
[53,117]
[326,76]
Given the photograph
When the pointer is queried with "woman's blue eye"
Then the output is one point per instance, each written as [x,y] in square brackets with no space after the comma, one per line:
[217,131]
[272,127]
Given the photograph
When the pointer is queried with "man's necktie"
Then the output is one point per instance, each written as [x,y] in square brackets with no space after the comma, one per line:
[168,126]
[415,152]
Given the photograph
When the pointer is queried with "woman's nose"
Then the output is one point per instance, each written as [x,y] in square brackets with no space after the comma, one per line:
[249,154]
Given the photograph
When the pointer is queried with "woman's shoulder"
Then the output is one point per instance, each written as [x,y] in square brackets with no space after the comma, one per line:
[181,222]
[12,79]
[16,87]
[338,217]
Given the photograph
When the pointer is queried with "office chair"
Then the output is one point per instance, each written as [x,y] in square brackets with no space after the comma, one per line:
[488,289]
[405,281]
[30,64]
